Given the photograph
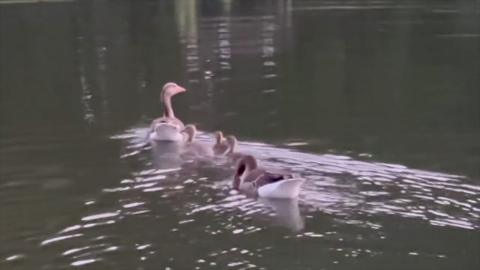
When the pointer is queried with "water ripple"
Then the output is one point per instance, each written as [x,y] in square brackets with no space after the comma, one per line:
[342,185]
[194,198]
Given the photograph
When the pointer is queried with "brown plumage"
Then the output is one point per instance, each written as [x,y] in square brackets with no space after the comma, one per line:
[192,147]
[231,154]
[249,177]
[221,146]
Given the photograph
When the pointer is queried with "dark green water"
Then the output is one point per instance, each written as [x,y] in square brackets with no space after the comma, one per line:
[376,103]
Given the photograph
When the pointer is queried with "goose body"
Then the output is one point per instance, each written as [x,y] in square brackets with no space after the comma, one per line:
[287,188]
[165,131]
[233,156]
[167,127]
[226,147]
[221,146]
[259,182]
[192,147]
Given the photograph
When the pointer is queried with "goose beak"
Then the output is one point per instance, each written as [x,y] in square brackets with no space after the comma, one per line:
[180,89]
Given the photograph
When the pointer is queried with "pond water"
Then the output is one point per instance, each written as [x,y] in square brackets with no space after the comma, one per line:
[375,103]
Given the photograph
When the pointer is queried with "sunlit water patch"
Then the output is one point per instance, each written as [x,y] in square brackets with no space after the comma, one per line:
[348,209]
[343,185]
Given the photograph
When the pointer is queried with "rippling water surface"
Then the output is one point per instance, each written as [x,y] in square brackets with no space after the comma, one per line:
[374,103]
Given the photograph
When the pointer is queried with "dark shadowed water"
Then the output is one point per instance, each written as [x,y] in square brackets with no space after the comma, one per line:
[375,103]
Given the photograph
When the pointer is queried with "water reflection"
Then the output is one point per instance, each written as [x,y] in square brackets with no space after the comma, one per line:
[218,45]
[287,213]
[363,98]
[341,185]
[349,201]
[166,155]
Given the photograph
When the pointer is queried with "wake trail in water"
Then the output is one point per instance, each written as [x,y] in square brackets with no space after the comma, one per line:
[344,186]
[194,197]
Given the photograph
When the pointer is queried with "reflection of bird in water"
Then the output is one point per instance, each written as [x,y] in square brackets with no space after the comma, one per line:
[252,180]
[287,212]
[167,127]
[166,155]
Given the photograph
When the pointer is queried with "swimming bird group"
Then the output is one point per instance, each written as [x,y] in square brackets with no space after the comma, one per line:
[249,178]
